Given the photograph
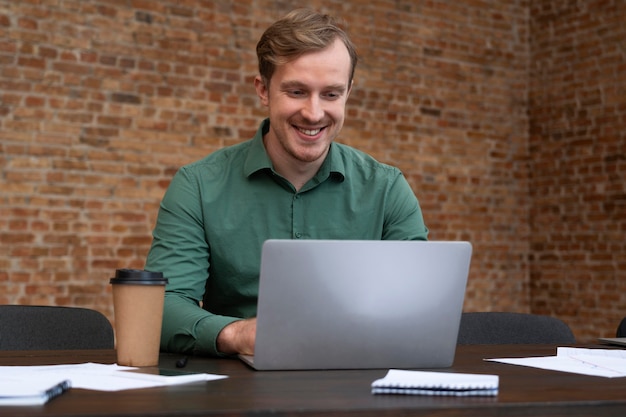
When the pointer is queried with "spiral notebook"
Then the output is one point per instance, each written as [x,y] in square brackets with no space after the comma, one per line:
[17,391]
[436,383]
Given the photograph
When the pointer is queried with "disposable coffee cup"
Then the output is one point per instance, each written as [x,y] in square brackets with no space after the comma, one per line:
[138,297]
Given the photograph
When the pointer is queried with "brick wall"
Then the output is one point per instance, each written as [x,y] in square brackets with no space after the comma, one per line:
[577,147]
[102,101]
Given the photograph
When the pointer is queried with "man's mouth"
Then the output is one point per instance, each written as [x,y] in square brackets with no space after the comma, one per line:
[309,132]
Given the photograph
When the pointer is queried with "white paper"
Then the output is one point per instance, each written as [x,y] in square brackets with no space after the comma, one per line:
[608,363]
[100,377]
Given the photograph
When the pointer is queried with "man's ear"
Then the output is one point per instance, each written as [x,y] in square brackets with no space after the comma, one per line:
[262,90]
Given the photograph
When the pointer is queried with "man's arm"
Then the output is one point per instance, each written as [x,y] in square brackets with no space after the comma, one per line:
[180,250]
[238,337]
[234,336]
[187,328]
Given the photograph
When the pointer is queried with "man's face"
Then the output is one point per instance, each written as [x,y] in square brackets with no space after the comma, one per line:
[306,101]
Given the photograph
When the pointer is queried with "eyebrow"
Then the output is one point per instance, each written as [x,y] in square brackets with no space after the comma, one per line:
[297,84]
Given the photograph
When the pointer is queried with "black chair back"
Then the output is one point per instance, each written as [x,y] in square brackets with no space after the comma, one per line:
[53,328]
[512,328]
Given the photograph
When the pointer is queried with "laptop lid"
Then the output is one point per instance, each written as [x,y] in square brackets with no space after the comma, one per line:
[347,304]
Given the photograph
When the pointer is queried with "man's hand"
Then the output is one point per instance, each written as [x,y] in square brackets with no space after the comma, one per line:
[238,337]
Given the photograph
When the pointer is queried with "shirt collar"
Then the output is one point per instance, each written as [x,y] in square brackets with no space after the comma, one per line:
[258,159]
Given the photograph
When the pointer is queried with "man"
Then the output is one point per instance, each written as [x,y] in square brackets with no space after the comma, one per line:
[291,181]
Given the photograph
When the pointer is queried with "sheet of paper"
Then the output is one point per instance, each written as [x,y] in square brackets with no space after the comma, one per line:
[608,363]
[102,377]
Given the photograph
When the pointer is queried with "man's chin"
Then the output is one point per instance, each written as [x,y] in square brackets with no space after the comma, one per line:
[310,154]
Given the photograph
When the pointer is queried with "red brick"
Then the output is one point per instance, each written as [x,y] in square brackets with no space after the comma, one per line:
[31,62]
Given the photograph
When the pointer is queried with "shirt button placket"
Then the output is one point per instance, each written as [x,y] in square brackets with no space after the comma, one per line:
[297,213]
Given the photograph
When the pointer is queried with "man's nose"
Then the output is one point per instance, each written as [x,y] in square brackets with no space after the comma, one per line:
[313,109]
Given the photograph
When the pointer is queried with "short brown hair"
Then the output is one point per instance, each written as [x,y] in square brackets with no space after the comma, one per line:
[299,32]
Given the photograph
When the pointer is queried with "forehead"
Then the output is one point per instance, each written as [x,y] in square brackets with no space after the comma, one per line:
[330,65]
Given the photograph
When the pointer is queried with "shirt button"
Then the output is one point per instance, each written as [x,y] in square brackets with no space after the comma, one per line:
[298,235]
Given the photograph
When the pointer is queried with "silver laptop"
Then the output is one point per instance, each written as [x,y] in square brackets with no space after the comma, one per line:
[348,304]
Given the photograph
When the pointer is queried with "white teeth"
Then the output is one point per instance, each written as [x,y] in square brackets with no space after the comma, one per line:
[310,132]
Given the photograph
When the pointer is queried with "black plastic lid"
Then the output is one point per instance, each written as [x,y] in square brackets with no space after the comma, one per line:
[138,277]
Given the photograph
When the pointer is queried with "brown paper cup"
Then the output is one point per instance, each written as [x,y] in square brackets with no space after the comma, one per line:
[138,306]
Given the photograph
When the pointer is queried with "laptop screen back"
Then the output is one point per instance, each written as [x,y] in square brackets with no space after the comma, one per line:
[333,304]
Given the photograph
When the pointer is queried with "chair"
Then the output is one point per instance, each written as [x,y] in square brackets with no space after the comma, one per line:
[53,328]
[621,329]
[489,328]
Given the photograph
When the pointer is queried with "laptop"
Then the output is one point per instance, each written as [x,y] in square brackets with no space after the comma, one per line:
[355,304]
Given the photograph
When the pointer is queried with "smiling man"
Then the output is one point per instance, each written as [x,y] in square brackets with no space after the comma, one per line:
[306,99]
[290,181]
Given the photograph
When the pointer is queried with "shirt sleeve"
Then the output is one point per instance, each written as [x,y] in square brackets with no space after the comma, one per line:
[180,251]
[403,215]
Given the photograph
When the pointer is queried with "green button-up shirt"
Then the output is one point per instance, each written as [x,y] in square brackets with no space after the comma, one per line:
[218,211]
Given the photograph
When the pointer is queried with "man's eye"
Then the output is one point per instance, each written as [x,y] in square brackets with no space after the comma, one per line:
[295,93]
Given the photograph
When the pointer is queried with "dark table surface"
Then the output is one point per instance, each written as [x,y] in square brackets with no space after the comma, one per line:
[524,391]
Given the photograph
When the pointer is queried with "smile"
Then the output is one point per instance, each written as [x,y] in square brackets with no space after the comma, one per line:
[310,132]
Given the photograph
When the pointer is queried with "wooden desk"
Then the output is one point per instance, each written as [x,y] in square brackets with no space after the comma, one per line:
[523,391]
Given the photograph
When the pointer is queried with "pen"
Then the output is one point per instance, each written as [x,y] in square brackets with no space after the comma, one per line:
[182,362]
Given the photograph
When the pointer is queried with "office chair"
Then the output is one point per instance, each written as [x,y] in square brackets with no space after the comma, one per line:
[490,328]
[621,329]
[25,327]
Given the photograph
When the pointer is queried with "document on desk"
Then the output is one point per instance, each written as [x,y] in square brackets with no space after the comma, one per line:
[101,377]
[609,363]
